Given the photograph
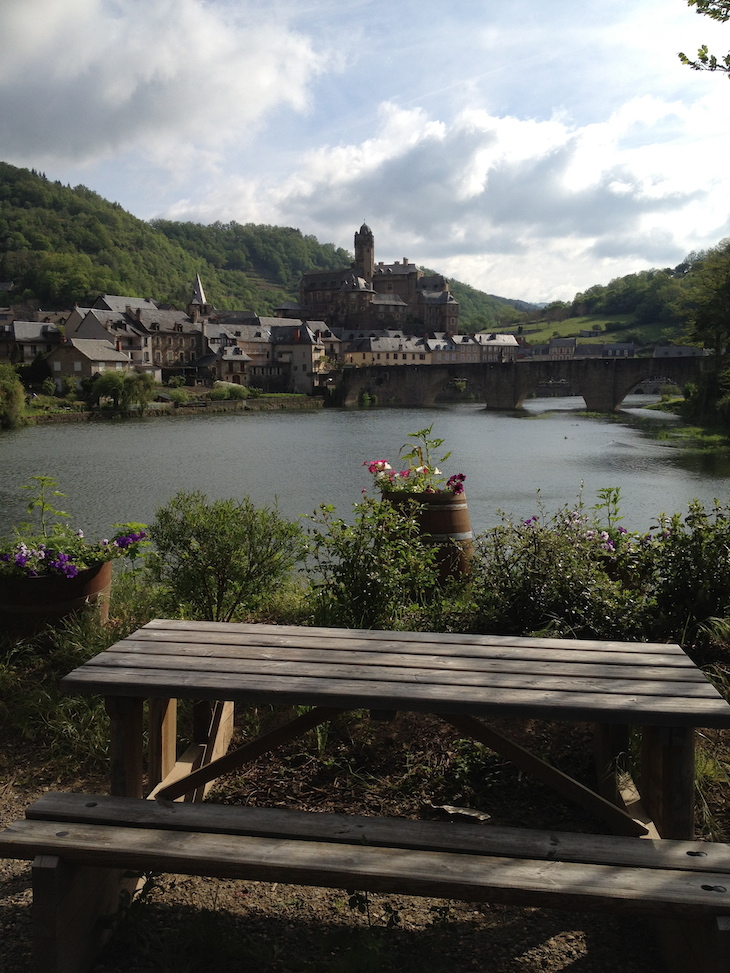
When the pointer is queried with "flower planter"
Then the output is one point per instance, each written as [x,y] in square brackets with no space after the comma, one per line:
[443,519]
[29,604]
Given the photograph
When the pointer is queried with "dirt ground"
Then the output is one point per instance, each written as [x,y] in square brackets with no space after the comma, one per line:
[408,767]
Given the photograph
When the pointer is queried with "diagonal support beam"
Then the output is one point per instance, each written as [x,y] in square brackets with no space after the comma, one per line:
[567,786]
[250,751]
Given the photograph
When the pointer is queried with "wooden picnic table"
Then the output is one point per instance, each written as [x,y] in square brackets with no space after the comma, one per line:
[464,679]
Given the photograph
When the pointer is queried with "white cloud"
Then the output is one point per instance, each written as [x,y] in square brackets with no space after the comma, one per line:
[502,202]
[530,149]
[88,78]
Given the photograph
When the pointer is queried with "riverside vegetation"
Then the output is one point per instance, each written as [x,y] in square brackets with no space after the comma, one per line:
[574,572]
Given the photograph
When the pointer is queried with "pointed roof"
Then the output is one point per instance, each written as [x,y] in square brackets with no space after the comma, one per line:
[198,292]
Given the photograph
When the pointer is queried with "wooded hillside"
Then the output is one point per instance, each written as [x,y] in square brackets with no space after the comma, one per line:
[61,245]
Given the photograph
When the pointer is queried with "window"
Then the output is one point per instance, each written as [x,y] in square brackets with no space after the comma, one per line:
[57,366]
[77,366]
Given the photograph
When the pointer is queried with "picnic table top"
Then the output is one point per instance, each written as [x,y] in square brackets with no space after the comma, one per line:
[641,683]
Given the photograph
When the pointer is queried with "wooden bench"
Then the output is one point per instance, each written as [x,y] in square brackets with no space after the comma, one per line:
[79,842]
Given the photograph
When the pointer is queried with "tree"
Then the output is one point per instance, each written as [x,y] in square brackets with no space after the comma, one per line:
[12,398]
[108,385]
[220,559]
[708,301]
[717,10]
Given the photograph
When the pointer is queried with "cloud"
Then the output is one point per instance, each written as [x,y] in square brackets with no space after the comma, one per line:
[165,79]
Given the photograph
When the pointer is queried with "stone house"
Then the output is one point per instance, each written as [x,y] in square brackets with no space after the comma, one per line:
[21,342]
[85,358]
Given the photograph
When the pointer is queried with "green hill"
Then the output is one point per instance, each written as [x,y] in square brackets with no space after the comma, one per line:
[61,245]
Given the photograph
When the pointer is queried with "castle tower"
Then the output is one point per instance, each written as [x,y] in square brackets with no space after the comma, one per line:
[365,253]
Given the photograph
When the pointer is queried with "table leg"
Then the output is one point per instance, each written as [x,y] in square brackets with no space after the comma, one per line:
[668,779]
[162,746]
[610,753]
[125,745]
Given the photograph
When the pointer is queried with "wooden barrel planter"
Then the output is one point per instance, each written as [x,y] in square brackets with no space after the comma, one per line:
[443,519]
[27,605]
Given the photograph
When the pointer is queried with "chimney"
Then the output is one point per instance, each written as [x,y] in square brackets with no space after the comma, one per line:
[119,344]
[405,261]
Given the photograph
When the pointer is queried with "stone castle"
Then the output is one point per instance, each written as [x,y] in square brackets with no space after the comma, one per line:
[377,295]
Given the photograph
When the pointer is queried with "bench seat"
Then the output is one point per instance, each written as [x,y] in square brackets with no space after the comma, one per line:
[441,859]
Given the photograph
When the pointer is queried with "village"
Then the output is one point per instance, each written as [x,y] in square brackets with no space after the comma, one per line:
[368,314]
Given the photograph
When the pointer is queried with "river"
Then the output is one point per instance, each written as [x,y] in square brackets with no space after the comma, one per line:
[123,471]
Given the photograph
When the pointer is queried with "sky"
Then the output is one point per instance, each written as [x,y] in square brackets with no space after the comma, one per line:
[530,149]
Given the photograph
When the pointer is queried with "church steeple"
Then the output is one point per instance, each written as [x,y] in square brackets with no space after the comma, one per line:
[198,304]
[365,253]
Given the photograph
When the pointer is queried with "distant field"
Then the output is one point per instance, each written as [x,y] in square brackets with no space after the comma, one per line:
[613,328]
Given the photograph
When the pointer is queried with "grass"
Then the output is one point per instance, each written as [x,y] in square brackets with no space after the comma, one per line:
[613,329]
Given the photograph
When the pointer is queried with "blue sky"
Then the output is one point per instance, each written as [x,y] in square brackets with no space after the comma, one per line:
[531,149]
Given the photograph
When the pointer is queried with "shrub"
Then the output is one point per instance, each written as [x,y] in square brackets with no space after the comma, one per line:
[12,398]
[688,568]
[178,395]
[373,573]
[560,574]
[219,559]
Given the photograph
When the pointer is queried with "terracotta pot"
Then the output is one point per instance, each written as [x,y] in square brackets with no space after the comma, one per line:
[444,521]
[29,604]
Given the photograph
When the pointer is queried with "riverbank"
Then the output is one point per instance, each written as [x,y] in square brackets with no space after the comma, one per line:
[265,403]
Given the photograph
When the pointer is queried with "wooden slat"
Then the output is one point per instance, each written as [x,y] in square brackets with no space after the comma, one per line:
[241,669]
[561,664]
[451,836]
[295,631]
[538,649]
[363,694]
[341,828]
[409,872]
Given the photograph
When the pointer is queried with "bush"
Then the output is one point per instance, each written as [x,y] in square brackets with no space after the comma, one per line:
[178,395]
[560,575]
[12,398]
[373,573]
[688,568]
[220,559]
[48,386]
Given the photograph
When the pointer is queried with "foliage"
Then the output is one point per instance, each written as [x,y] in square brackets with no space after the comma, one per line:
[422,475]
[717,10]
[689,578]
[373,573]
[707,299]
[125,389]
[62,245]
[217,559]
[224,391]
[553,574]
[52,548]
[12,398]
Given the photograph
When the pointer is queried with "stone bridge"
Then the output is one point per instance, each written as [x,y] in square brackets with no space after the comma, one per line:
[603,382]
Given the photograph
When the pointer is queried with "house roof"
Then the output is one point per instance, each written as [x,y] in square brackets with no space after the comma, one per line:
[35,331]
[96,350]
[116,302]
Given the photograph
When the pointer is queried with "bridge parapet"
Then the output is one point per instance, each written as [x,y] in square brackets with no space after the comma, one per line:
[603,382]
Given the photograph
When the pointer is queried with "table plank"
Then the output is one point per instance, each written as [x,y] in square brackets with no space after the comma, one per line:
[475,645]
[364,694]
[281,671]
[519,662]
[236,629]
